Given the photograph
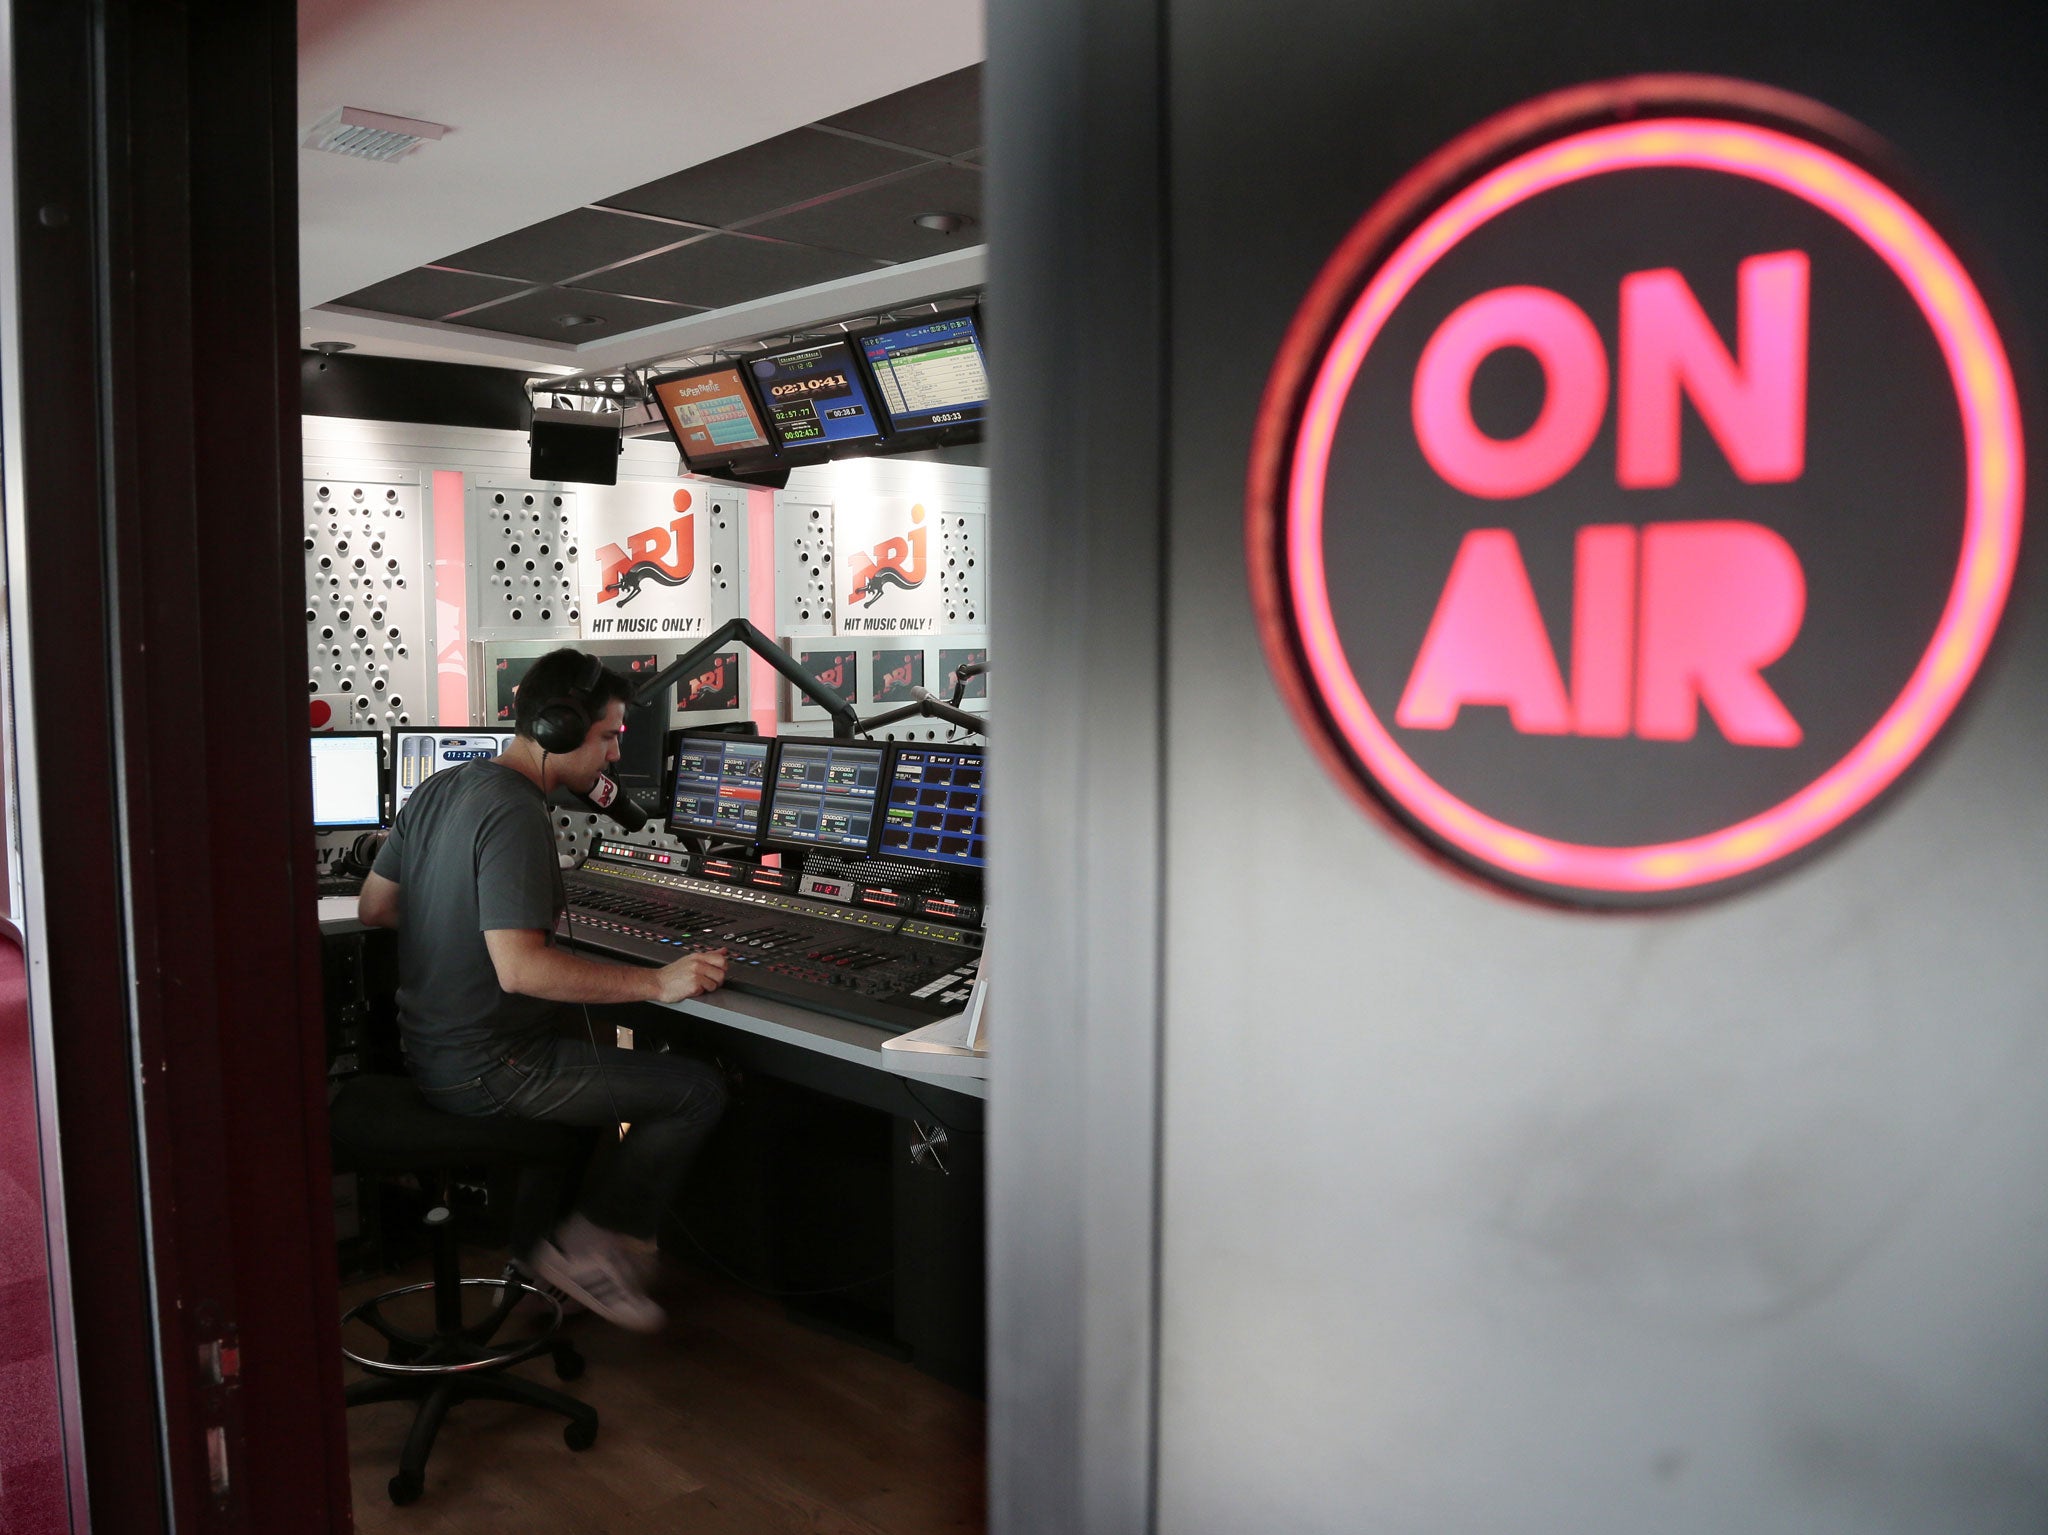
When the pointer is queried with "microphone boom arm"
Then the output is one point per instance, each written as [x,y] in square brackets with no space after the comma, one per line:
[844,720]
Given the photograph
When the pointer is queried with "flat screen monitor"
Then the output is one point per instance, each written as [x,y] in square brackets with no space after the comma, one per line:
[930,375]
[712,416]
[826,795]
[815,396]
[721,784]
[348,780]
[935,806]
[420,751]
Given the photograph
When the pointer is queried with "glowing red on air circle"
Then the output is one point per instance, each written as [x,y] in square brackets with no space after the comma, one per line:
[1286,501]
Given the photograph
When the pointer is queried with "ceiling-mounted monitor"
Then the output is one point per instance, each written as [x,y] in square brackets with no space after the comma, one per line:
[815,396]
[717,423]
[930,375]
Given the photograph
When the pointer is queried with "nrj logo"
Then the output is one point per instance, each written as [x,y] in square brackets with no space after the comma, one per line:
[897,561]
[712,681]
[661,556]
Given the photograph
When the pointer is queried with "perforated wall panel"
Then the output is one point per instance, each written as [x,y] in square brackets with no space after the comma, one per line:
[520,539]
[368,643]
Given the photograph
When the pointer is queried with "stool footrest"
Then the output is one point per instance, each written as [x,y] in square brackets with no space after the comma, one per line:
[444,1354]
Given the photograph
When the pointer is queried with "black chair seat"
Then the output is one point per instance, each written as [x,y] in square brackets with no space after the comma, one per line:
[385,1125]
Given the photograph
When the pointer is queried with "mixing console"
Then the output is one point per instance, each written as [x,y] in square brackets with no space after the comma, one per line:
[875,967]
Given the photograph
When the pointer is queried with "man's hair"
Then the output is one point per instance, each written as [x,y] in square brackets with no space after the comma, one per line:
[553,676]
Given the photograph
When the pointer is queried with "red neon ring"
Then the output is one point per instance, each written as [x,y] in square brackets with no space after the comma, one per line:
[1991,433]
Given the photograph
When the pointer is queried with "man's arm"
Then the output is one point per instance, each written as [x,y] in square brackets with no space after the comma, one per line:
[530,966]
[377,906]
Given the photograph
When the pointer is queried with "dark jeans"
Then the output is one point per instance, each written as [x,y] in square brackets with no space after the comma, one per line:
[670,1101]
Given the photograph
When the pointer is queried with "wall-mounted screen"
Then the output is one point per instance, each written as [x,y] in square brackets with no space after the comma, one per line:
[815,396]
[712,416]
[348,780]
[935,806]
[929,375]
[896,673]
[420,751]
[827,794]
[721,784]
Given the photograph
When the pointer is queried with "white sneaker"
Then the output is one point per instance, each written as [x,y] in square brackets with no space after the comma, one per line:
[639,1256]
[582,1262]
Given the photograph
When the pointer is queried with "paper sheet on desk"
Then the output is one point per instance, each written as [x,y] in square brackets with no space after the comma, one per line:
[337,908]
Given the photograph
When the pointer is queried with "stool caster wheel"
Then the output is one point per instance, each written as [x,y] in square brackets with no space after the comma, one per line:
[579,1436]
[568,1363]
[406,1488]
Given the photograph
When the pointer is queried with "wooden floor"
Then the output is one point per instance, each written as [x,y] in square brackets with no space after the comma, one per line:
[736,1420]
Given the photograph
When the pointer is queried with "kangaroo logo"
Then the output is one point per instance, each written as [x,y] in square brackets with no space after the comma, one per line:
[895,562]
[636,576]
[661,556]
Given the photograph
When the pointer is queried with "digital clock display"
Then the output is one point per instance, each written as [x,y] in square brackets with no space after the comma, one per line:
[815,395]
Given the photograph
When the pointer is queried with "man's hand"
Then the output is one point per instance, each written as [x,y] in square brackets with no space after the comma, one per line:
[690,976]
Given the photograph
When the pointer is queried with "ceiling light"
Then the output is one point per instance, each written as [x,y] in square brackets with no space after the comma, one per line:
[942,223]
[367,135]
[329,348]
[578,321]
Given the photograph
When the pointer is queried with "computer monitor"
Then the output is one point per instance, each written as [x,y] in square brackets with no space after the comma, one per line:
[930,374]
[348,780]
[721,784]
[935,806]
[712,415]
[815,396]
[827,796]
[420,751]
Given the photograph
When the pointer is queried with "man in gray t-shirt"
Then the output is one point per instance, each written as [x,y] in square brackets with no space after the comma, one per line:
[469,879]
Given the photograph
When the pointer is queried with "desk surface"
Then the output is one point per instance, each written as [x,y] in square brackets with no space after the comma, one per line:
[772,1019]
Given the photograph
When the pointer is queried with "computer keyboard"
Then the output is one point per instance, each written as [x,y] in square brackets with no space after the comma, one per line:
[352,885]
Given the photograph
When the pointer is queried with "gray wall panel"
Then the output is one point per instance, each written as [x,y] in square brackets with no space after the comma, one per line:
[1479,1215]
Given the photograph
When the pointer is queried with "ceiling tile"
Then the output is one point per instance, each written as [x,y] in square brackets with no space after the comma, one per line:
[877,222]
[427,294]
[725,269]
[539,314]
[941,116]
[567,246]
[789,168]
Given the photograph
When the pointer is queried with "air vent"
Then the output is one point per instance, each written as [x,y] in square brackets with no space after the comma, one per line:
[370,135]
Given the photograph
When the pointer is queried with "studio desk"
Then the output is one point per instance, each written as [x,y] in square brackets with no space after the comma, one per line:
[846,1180]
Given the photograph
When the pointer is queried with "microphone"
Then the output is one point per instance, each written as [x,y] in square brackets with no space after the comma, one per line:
[605,798]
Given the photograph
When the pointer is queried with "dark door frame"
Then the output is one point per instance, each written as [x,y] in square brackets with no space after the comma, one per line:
[154,548]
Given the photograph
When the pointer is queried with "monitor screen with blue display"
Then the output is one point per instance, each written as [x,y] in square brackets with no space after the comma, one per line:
[930,375]
[420,751]
[721,784]
[935,806]
[827,794]
[815,396]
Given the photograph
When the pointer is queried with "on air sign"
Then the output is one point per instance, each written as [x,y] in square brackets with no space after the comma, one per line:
[1637,492]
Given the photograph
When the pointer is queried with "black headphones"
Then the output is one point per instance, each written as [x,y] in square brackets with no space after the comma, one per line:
[561,724]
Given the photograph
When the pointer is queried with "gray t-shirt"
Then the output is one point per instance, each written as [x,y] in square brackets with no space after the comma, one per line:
[472,851]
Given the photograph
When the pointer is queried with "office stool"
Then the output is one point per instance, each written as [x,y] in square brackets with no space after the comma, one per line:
[383,1125]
